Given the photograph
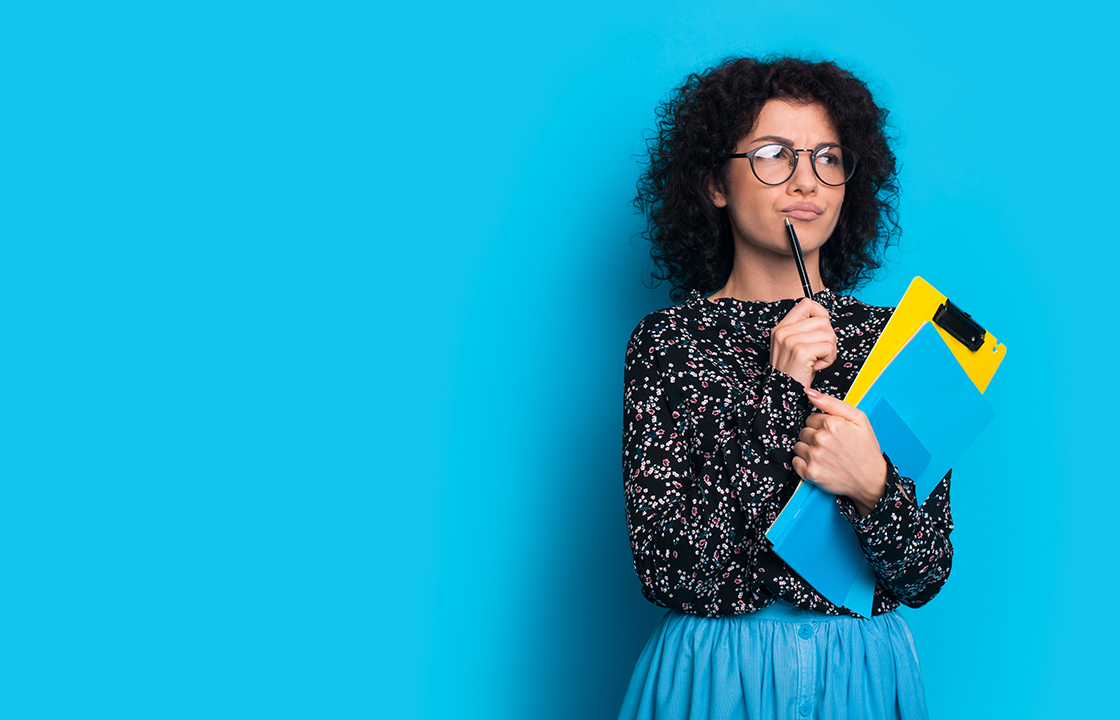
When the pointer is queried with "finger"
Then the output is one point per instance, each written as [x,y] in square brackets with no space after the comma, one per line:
[804,347]
[805,324]
[812,353]
[815,348]
[799,466]
[797,312]
[835,407]
[803,351]
[815,421]
[801,334]
[807,433]
[827,360]
[812,307]
[805,308]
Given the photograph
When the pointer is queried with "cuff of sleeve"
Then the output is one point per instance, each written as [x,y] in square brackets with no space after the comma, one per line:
[897,493]
[786,406]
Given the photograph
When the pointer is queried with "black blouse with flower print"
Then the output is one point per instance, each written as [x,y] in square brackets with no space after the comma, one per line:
[707,450]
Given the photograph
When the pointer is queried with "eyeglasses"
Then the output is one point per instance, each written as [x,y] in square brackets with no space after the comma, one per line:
[775,163]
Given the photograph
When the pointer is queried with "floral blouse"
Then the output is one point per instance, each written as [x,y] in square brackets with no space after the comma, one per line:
[707,449]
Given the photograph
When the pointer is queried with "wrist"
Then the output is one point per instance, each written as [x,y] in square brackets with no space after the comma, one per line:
[873,491]
[804,378]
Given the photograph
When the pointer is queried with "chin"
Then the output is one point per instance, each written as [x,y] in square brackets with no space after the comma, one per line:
[811,242]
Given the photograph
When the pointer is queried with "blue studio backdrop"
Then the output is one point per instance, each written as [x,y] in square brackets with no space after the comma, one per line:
[314,316]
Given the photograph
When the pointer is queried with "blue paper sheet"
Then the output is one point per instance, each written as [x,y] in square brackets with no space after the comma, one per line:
[934,397]
[905,449]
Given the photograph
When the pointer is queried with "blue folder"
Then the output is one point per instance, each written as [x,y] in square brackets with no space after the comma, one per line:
[814,539]
[925,412]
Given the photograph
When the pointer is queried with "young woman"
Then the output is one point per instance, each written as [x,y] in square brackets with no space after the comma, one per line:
[734,394]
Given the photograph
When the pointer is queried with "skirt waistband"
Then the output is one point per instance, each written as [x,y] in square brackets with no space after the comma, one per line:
[782,611]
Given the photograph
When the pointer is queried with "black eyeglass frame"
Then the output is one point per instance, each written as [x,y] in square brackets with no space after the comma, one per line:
[797,156]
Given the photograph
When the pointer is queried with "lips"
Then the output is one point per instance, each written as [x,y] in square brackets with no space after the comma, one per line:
[803,211]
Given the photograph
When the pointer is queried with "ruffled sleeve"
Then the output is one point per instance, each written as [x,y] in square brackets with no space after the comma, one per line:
[906,543]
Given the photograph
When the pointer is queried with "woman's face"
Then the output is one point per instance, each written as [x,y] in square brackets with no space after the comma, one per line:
[758,211]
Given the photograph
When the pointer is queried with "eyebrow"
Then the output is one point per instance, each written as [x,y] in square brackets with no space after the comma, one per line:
[786,141]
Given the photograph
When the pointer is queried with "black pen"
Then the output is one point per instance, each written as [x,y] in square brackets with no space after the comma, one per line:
[796,248]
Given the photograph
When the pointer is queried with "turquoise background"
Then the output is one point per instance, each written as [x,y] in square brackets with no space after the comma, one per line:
[313,319]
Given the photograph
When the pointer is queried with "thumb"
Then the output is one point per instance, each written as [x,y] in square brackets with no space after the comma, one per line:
[833,406]
[806,308]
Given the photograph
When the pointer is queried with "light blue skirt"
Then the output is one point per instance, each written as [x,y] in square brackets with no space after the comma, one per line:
[782,663]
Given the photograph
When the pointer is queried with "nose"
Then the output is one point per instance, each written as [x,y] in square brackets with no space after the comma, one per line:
[804,180]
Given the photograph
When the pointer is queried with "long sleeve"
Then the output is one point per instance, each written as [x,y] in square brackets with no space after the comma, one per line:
[701,462]
[907,543]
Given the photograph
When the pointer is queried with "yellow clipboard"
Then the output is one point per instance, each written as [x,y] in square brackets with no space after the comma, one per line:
[918,306]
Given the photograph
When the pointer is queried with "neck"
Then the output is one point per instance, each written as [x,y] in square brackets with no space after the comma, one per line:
[758,275]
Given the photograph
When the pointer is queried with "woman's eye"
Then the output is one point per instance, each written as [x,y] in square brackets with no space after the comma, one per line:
[829,157]
[772,152]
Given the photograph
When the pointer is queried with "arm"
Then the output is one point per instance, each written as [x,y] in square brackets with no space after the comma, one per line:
[692,533]
[907,544]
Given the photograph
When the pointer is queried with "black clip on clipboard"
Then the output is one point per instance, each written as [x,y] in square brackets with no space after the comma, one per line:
[960,325]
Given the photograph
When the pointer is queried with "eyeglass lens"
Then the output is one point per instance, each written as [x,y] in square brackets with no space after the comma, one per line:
[774,164]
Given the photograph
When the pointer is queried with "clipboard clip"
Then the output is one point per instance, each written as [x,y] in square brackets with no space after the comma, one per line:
[960,325]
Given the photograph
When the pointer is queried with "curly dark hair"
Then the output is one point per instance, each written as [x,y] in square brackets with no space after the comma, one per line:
[699,126]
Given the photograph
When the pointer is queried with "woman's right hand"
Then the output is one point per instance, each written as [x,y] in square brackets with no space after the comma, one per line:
[803,342]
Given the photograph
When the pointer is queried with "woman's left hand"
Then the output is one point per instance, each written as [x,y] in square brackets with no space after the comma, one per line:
[838,451]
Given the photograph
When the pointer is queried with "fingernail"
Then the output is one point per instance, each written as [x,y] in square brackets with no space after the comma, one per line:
[812,393]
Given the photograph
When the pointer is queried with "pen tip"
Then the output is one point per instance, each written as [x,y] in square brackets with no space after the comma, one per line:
[787,221]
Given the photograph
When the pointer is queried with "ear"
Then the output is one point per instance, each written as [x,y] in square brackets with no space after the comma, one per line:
[715,192]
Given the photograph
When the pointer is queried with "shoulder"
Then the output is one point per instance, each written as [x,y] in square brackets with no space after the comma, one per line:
[668,337]
[667,326]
